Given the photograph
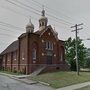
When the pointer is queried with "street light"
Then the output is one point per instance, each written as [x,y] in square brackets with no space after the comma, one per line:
[85,39]
[88,39]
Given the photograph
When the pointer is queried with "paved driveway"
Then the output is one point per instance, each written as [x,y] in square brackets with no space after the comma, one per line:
[7,83]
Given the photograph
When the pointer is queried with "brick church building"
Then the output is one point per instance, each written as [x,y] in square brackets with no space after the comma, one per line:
[33,50]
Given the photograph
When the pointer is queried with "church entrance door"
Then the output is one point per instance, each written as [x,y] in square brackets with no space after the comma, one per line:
[49,59]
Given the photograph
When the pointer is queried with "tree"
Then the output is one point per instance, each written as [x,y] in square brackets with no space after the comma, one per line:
[71,54]
[87,61]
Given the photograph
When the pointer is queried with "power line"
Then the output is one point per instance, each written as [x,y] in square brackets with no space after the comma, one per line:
[51,9]
[12,10]
[56,11]
[57,19]
[87,27]
[10,25]
[52,15]
[26,5]
[60,19]
[38,11]
[34,2]
[7,30]
[22,7]
[1,34]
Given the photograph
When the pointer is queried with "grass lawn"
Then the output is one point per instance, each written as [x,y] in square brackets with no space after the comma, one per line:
[84,88]
[9,72]
[61,79]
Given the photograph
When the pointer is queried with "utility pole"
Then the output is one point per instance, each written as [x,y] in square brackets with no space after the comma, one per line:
[76,44]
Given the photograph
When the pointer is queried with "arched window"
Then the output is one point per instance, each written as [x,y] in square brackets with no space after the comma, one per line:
[23,55]
[34,54]
[14,55]
[42,23]
[49,45]
[62,54]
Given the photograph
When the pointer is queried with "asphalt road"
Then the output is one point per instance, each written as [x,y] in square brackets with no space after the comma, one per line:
[7,83]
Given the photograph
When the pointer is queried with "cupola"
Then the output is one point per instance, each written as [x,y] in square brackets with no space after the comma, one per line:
[30,27]
[43,21]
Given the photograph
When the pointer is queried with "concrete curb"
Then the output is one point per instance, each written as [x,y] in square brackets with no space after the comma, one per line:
[46,84]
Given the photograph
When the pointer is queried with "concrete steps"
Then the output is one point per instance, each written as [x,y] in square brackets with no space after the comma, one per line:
[38,71]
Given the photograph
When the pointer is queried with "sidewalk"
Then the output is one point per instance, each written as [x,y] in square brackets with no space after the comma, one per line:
[76,86]
[21,78]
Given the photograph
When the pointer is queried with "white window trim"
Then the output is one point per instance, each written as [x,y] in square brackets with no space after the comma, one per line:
[49,45]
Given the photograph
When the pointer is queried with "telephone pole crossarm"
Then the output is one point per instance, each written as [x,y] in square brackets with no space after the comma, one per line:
[76,44]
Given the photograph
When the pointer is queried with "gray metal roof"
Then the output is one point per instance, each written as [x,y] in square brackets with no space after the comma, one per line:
[12,47]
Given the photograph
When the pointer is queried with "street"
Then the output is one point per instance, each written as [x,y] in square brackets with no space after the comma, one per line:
[7,83]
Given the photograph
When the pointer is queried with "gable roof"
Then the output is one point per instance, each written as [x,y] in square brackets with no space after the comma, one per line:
[12,47]
[39,32]
[22,35]
[48,27]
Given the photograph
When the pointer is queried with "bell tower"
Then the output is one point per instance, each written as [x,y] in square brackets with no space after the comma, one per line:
[43,20]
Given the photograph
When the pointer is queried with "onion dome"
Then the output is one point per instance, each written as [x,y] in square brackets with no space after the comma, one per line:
[30,27]
[43,21]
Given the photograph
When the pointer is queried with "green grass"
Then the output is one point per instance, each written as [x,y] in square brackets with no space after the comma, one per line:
[9,72]
[62,79]
[84,88]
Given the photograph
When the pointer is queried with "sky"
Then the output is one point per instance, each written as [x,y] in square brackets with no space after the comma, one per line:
[61,14]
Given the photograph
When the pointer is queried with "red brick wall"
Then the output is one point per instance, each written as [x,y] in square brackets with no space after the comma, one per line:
[48,36]
[23,54]
[8,64]
[15,60]
[33,43]
[61,50]
[4,61]
[40,45]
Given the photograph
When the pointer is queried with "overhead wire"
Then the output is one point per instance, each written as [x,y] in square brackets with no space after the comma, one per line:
[10,25]
[39,11]
[19,13]
[55,11]
[61,20]
[6,24]
[50,8]
[9,30]
[26,5]
[22,7]
[8,35]
[12,10]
